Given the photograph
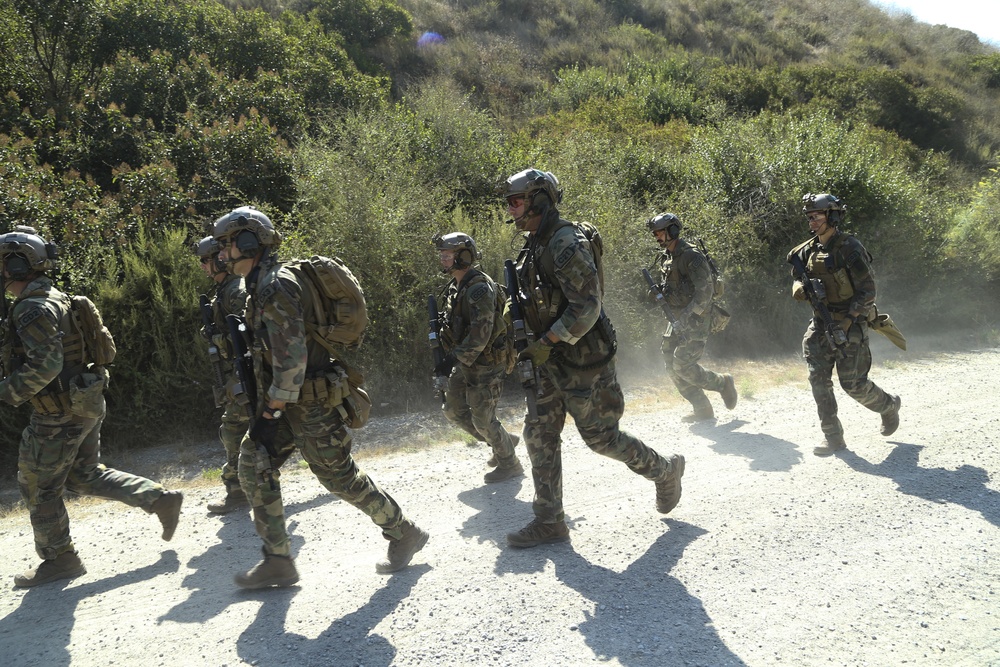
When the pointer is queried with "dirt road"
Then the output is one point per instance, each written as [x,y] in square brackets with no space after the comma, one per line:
[885,555]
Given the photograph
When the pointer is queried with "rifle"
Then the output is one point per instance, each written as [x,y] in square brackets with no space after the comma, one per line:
[526,371]
[434,340]
[246,389]
[208,319]
[835,336]
[675,326]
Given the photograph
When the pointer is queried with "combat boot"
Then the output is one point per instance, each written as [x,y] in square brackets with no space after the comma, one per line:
[401,551]
[493,462]
[504,471]
[668,487]
[536,533]
[167,509]
[235,498]
[729,395]
[700,414]
[66,565]
[274,570]
[831,445]
[890,419]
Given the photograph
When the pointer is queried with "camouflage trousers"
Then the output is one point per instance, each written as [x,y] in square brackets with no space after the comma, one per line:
[594,399]
[325,443]
[231,431]
[852,372]
[681,359]
[471,402]
[60,453]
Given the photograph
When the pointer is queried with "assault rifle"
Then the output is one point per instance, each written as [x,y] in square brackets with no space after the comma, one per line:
[675,326]
[434,340]
[525,368]
[835,336]
[208,319]
[246,389]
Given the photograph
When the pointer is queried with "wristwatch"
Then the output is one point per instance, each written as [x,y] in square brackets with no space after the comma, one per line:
[274,413]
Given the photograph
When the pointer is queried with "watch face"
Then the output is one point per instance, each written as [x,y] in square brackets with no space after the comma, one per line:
[275,414]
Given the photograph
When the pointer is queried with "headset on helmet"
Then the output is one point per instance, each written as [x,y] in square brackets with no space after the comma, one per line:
[666,221]
[249,230]
[530,183]
[23,252]
[832,206]
[463,245]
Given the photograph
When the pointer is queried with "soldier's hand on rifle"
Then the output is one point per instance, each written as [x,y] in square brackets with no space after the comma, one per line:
[264,431]
[441,383]
[446,366]
[799,291]
[538,351]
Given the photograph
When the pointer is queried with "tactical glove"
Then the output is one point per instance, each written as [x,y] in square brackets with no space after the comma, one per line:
[264,431]
[446,366]
[538,352]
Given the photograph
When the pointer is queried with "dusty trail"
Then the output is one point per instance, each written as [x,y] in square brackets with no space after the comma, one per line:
[886,555]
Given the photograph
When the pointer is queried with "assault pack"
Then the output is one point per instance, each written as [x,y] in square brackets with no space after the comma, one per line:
[718,285]
[339,313]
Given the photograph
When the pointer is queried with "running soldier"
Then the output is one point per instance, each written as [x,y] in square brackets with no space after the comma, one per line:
[54,352]
[561,291]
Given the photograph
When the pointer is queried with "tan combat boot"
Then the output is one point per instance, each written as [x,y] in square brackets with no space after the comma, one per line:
[66,565]
[506,470]
[235,498]
[729,395]
[700,414]
[831,445]
[536,533]
[401,551]
[668,487]
[167,509]
[890,419]
[274,570]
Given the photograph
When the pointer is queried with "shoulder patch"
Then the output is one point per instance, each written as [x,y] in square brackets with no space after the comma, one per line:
[564,256]
[479,291]
[28,317]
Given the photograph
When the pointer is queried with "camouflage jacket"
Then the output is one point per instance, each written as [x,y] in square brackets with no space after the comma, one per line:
[844,267]
[284,354]
[687,278]
[469,313]
[32,346]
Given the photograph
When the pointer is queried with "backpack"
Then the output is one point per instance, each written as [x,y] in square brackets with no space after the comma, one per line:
[502,338]
[339,313]
[98,344]
[718,285]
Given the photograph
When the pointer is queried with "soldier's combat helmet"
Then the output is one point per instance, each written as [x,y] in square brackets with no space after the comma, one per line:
[248,229]
[666,221]
[23,252]
[207,250]
[463,245]
[530,183]
[827,203]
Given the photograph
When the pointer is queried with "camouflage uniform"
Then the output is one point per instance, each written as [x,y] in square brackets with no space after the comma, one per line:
[844,267]
[59,450]
[561,292]
[474,387]
[688,287]
[229,298]
[291,366]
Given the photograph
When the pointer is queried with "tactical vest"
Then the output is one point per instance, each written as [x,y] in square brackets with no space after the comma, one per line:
[545,302]
[825,264]
[499,350]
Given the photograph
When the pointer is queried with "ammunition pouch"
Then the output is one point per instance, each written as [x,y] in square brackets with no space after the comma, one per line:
[86,393]
[596,349]
[51,403]
[719,317]
[340,387]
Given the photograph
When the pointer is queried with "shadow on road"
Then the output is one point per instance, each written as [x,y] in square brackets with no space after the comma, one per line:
[40,630]
[211,582]
[764,451]
[965,486]
[348,640]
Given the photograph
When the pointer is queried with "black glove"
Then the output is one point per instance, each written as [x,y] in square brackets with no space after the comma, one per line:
[446,366]
[264,431]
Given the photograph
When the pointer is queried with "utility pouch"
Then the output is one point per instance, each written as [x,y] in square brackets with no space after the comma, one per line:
[86,394]
[346,393]
[719,318]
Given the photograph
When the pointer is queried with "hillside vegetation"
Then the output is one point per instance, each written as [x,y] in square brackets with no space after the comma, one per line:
[362,127]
